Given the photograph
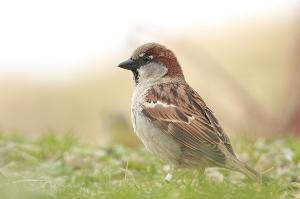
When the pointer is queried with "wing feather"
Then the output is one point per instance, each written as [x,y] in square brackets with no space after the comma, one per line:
[184,116]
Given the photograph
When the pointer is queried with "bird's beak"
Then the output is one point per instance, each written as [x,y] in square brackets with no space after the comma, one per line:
[129,64]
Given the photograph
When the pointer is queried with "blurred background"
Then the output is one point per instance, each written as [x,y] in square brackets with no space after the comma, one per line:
[58,63]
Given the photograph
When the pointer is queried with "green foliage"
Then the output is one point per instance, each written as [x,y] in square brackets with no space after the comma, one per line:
[295,147]
[63,168]
[51,145]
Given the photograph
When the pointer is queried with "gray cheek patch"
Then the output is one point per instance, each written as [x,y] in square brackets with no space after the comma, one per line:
[152,71]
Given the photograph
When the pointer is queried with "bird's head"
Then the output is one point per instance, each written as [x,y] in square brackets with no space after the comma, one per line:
[152,62]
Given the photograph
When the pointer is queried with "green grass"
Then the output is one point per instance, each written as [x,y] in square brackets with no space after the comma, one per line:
[52,167]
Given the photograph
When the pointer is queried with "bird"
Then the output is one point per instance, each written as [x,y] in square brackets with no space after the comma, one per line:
[172,120]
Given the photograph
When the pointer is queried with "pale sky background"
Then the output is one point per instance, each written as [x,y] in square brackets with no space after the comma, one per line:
[51,39]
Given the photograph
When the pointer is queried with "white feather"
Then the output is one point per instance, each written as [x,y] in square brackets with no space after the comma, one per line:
[153,105]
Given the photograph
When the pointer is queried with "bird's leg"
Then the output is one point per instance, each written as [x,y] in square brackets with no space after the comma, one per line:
[201,171]
[169,176]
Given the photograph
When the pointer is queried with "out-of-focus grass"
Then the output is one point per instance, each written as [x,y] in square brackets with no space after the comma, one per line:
[52,167]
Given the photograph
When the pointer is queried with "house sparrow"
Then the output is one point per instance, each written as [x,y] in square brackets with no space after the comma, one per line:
[172,120]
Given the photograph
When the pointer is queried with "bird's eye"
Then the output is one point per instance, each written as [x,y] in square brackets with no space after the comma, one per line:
[147,59]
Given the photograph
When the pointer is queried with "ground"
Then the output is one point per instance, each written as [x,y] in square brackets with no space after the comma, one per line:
[52,167]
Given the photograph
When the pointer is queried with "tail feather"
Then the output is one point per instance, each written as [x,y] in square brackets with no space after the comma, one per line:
[250,172]
[247,170]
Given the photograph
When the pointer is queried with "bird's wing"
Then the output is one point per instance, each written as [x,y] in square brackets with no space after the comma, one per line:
[182,114]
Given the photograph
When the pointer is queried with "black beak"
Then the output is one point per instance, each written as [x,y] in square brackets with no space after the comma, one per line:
[129,64]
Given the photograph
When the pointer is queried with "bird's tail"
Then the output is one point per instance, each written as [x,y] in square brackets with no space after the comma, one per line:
[250,172]
[247,170]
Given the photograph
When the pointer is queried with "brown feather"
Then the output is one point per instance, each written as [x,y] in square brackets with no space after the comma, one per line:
[184,115]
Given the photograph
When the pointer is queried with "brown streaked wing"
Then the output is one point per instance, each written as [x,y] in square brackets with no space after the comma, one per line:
[212,120]
[182,113]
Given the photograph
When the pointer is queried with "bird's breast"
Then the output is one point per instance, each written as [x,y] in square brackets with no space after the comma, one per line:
[154,139]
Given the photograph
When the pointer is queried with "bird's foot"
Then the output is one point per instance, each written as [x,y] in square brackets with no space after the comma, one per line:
[168,178]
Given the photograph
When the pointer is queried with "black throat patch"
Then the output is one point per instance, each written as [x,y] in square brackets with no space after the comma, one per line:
[135,76]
